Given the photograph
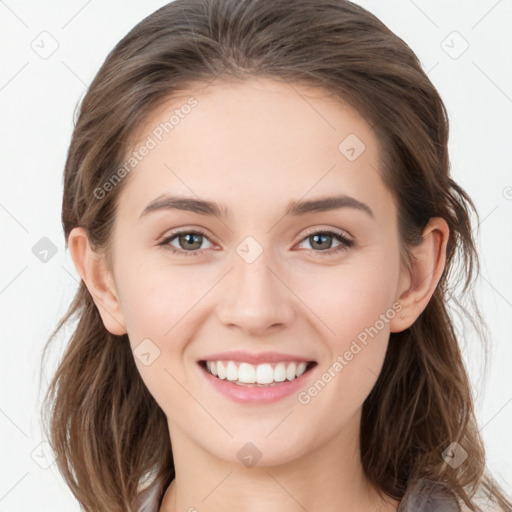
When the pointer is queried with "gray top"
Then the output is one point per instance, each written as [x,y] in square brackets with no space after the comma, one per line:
[423,496]
[428,496]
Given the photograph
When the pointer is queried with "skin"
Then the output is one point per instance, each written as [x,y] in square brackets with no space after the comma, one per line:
[253,147]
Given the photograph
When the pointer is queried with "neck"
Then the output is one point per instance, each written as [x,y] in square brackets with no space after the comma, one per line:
[330,478]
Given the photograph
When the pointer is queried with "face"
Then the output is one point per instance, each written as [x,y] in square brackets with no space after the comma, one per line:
[274,277]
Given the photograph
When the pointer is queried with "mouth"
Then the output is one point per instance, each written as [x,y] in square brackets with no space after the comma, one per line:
[246,374]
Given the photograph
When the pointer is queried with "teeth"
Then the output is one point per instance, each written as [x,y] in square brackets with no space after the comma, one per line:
[301,368]
[290,371]
[264,374]
[212,367]
[221,371]
[232,371]
[247,373]
[280,372]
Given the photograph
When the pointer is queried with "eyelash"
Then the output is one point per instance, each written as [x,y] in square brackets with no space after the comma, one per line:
[345,242]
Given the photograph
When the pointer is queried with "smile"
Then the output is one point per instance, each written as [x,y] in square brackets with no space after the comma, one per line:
[256,382]
[245,374]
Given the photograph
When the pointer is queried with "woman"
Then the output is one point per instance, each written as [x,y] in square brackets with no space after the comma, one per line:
[219,147]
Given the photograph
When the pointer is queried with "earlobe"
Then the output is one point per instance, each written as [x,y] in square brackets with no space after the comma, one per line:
[93,270]
[428,261]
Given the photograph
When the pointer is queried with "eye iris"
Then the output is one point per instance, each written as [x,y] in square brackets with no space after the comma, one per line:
[189,242]
[320,235]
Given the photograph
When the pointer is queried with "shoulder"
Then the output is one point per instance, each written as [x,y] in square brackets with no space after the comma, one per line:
[431,496]
[488,507]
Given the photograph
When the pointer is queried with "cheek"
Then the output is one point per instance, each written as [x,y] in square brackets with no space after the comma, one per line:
[156,299]
[351,298]
[357,306]
[161,304]
[158,303]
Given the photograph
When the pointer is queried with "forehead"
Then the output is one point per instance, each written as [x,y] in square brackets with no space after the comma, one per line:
[251,141]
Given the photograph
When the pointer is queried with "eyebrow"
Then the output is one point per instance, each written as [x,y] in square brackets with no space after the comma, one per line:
[294,208]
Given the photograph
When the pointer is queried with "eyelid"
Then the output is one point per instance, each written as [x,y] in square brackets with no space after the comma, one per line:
[186,229]
[170,235]
[347,240]
[337,231]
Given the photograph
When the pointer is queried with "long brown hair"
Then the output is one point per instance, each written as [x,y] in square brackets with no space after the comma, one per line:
[107,431]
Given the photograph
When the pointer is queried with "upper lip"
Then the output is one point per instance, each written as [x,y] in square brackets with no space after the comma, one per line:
[254,358]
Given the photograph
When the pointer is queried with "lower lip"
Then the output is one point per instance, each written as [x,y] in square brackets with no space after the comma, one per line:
[252,395]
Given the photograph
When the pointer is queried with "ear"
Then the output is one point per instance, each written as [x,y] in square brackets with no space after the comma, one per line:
[93,270]
[418,284]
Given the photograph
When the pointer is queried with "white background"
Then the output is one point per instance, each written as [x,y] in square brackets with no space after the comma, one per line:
[37,100]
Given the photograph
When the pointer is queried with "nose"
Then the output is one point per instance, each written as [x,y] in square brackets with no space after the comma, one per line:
[255,298]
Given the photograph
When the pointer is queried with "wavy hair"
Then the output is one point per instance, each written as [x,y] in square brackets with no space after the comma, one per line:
[108,433]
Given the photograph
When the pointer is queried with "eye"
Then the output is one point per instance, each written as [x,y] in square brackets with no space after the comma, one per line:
[322,240]
[188,242]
